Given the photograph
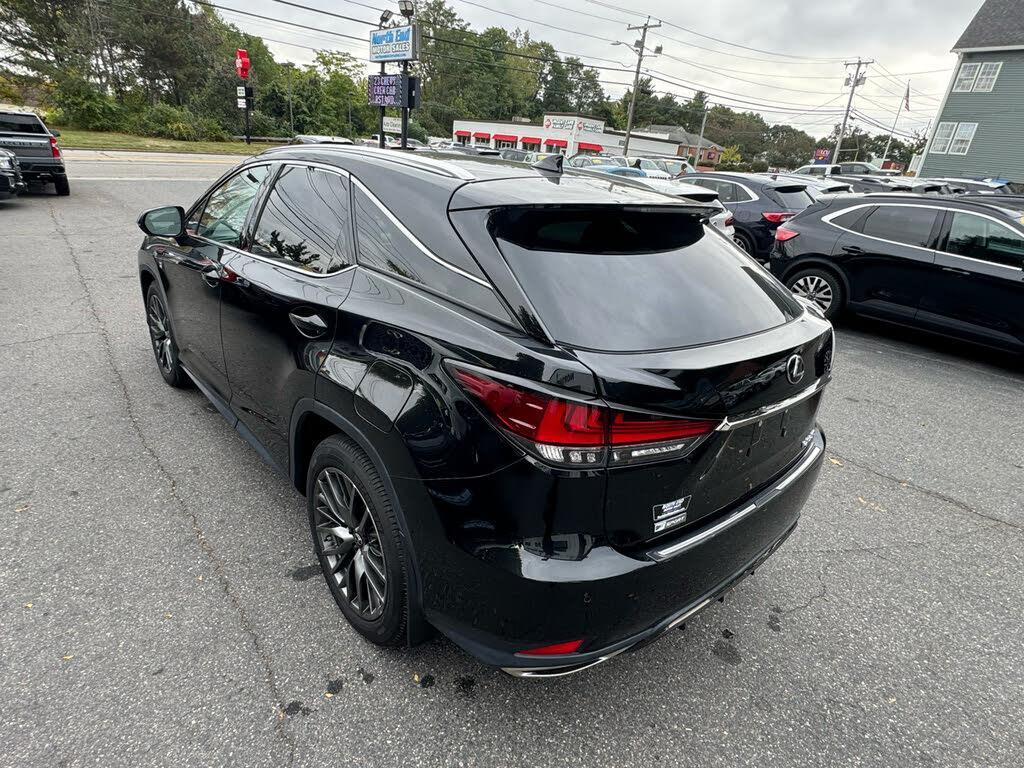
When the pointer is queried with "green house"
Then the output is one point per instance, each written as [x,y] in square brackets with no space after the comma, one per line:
[980,128]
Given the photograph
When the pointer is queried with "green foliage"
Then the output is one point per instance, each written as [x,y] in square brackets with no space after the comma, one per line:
[731,156]
[417,131]
[82,105]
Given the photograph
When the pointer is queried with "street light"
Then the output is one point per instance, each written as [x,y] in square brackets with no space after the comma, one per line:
[385,17]
[407,8]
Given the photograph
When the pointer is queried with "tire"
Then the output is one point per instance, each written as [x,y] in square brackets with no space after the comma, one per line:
[161,335]
[745,243]
[822,286]
[62,186]
[352,520]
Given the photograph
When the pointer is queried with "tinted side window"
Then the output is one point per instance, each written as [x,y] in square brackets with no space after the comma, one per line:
[984,239]
[226,208]
[305,221]
[390,248]
[901,224]
[852,220]
[726,191]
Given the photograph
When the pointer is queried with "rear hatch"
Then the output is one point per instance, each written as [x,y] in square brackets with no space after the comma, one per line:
[675,324]
[792,197]
[25,135]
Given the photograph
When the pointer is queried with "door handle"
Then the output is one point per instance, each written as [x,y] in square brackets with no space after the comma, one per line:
[853,249]
[956,271]
[211,276]
[311,326]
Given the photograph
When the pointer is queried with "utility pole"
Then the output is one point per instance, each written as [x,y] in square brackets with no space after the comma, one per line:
[854,82]
[639,50]
[700,140]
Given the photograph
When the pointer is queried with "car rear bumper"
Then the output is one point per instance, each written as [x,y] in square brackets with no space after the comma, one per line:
[618,601]
[41,169]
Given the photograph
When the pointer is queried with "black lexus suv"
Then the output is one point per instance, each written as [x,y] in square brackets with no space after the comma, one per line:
[948,265]
[550,415]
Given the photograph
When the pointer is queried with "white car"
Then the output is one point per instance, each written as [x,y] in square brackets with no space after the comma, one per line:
[721,221]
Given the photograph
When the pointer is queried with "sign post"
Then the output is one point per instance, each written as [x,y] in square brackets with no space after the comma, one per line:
[402,91]
[244,93]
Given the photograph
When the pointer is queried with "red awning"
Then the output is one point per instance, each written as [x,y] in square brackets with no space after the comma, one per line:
[556,142]
[531,140]
[505,137]
[462,133]
[481,135]
[591,147]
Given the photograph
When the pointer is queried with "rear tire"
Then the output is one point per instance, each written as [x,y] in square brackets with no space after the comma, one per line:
[62,186]
[358,541]
[820,285]
[161,335]
[745,243]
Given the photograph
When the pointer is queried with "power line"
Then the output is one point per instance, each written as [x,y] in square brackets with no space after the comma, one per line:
[713,38]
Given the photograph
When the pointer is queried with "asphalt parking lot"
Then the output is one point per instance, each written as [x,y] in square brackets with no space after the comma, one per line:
[161,604]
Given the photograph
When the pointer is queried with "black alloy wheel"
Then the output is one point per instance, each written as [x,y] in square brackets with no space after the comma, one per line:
[162,338]
[349,544]
[357,539]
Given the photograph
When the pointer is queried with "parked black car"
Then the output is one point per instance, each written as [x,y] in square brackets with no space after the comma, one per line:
[41,160]
[954,265]
[552,416]
[11,183]
[759,203]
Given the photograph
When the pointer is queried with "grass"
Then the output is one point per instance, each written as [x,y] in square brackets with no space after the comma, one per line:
[71,138]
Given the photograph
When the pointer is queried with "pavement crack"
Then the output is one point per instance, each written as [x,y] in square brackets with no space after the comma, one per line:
[51,337]
[244,619]
[821,594]
[963,506]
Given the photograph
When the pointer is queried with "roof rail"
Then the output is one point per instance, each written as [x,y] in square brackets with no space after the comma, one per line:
[408,159]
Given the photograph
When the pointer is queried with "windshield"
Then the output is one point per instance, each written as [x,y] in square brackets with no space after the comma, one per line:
[621,279]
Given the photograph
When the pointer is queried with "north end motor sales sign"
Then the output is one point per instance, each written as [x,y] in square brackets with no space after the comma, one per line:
[395,44]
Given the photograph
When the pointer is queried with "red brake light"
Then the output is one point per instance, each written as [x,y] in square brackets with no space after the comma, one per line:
[782,234]
[570,646]
[54,149]
[536,416]
[777,218]
[570,432]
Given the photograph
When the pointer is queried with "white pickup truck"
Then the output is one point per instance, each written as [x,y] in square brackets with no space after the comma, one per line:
[35,146]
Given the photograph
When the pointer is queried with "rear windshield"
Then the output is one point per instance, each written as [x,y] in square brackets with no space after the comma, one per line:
[21,124]
[796,197]
[625,280]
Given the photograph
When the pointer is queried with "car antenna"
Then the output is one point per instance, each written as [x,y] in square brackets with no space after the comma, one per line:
[549,164]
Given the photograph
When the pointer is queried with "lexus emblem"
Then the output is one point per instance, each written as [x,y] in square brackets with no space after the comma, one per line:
[795,369]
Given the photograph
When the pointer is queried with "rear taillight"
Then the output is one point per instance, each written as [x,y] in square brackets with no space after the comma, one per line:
[579,433]
[777,218]
[54,149]
[782,234]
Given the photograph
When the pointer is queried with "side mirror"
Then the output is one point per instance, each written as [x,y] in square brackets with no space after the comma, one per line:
[168,221]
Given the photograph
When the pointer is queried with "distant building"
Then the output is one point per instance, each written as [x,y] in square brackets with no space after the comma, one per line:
[710,153]
[567,133]
[979,131]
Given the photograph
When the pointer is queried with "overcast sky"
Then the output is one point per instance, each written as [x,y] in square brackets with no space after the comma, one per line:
[799,65]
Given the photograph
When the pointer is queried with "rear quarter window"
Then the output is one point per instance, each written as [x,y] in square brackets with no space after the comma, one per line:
[617,279]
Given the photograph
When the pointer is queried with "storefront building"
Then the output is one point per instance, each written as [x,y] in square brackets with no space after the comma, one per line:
[568,134]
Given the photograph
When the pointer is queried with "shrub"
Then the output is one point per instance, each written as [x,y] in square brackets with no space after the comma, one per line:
[80,105]
[168,122]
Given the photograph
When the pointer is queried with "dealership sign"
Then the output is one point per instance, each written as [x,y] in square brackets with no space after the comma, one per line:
[395,44]
[386,90]
[392,125]
[573,123]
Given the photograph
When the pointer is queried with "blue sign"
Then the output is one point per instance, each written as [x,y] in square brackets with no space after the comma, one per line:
[395,44]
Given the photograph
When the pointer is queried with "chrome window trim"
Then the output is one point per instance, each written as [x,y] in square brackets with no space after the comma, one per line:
[829,220]
[413,239]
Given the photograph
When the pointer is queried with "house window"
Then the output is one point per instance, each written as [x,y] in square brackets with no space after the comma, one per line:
[962,138]
[943,135]
[965,80]
[504,144]
[987,76]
